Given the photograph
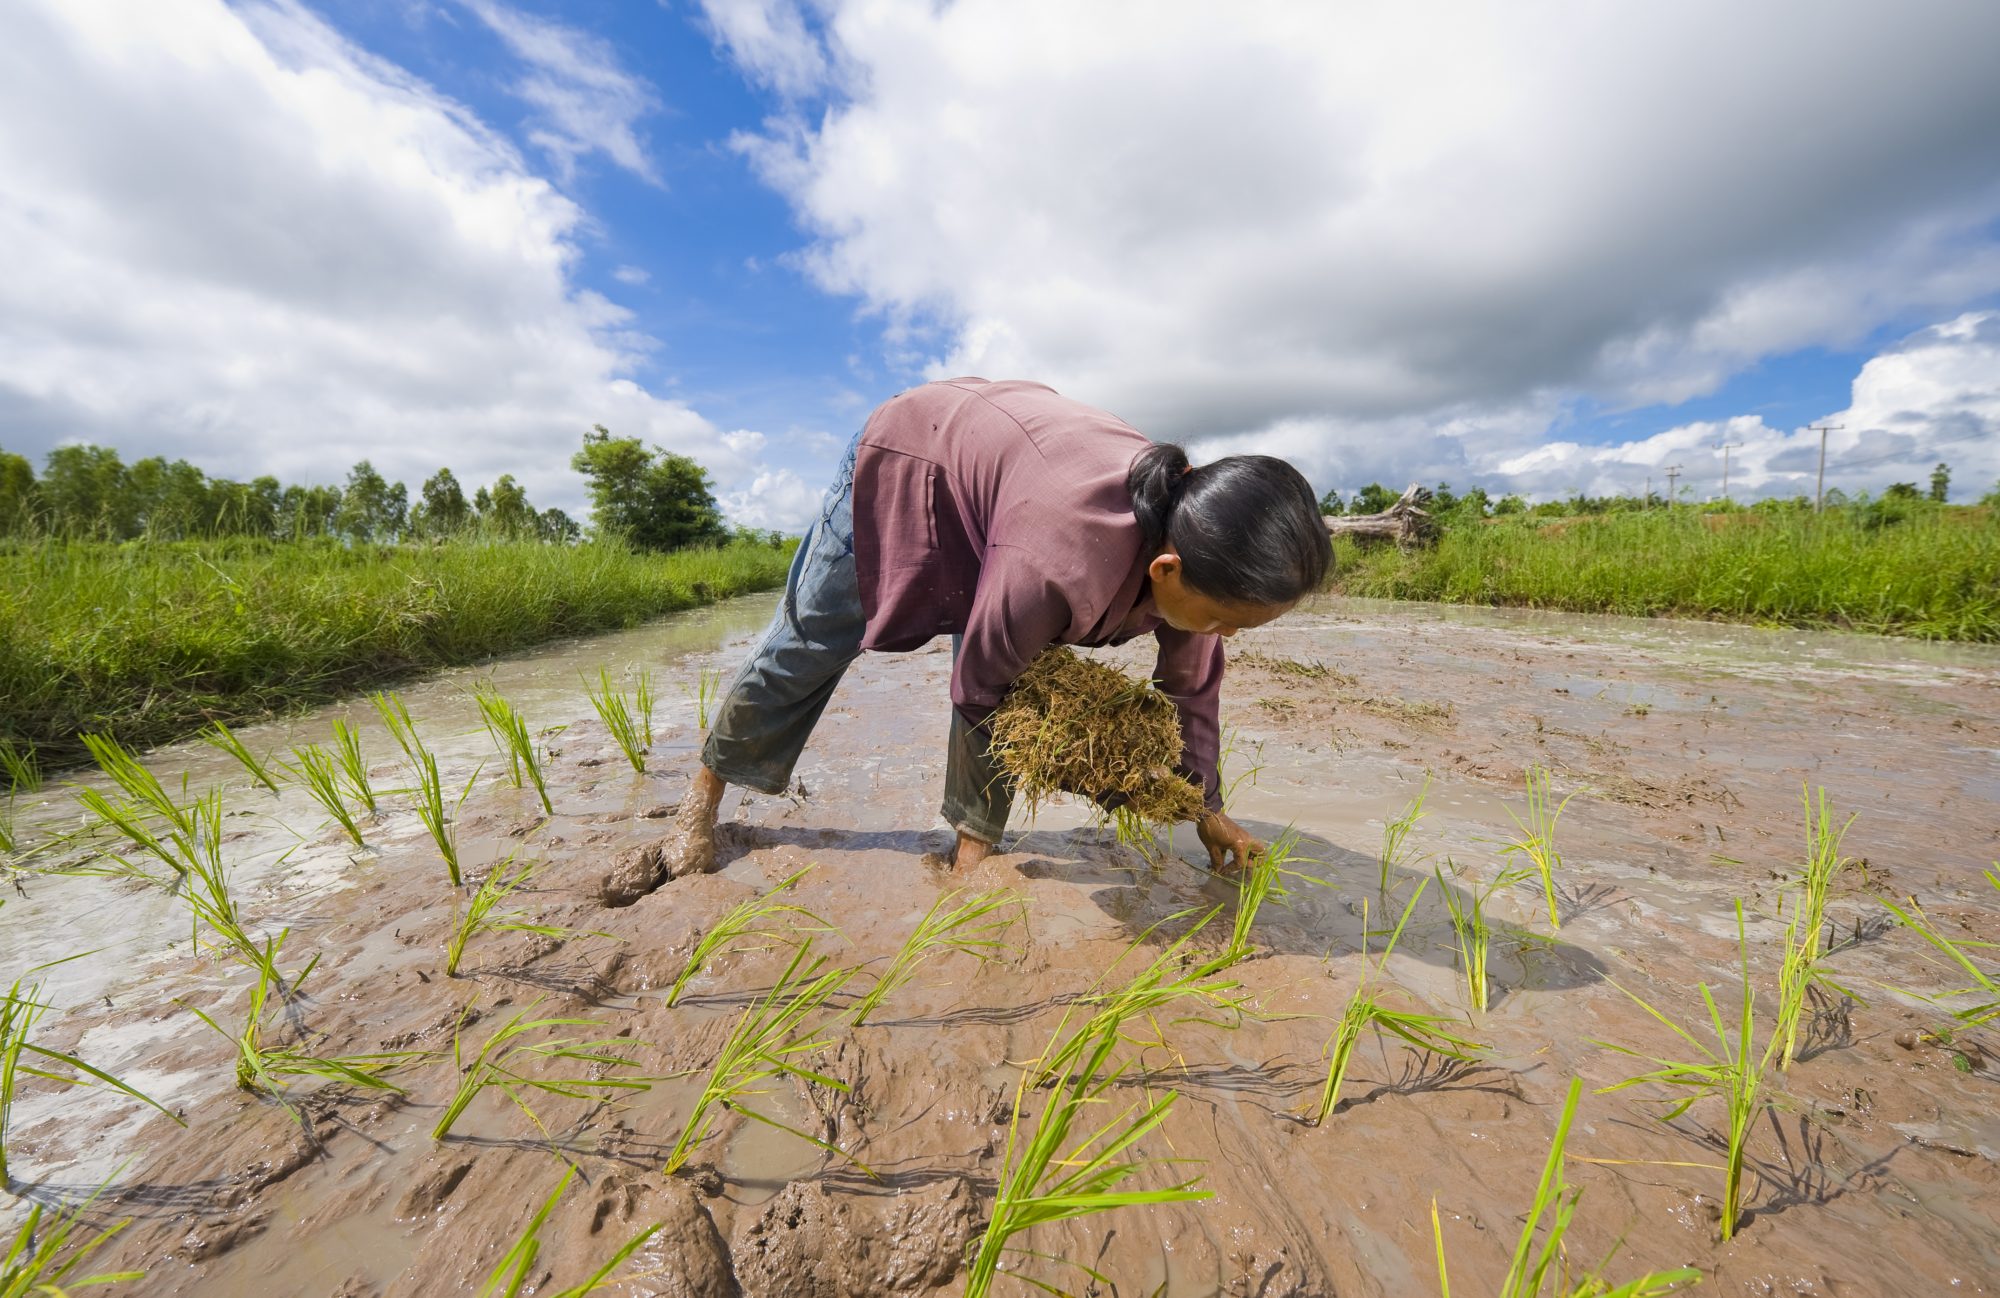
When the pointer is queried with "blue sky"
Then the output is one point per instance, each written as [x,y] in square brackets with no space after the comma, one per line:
[1549,249]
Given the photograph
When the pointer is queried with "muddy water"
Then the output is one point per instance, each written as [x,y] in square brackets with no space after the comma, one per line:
[1685,747]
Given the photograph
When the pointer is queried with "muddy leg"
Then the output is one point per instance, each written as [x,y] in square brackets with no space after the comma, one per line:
[690,847]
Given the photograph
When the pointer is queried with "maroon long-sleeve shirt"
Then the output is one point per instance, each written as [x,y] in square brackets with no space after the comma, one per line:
[999,511]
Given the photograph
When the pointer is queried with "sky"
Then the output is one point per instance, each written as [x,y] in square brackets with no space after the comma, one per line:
[1545,247]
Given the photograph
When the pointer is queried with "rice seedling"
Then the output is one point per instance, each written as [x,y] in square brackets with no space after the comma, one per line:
[1538,836]
[1800,970]
[264,1069]
[1472,934]
[1365,1011]
[145,799]
[642,703]
[42,1262]
[1257,885]
[21,766]
[353,766]
[516,1272]
[1396,833]
[480,913]
[770,1041]
[508,1048]
[976,926]
[439,817]
[1984,984]
[220,736]
[1733,1074]
[1536,1263]
[318,771]
[1173,976]
[20,1008]
[9,840]
[707,682]
[747,927]
[1060,1171]
[510,734]
[616,714]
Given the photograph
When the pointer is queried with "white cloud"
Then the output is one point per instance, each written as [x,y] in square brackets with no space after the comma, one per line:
[587,101]
[634,275]
[1330,226]
[231,236]
[1934,397]
[777,498]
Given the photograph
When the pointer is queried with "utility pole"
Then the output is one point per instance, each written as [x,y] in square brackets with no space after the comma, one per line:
[1726,448]
[1819,487]
[1673,471]
[1646,501]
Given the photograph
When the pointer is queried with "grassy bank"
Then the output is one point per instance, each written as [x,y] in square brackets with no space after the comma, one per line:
[1935,575]
[148,642]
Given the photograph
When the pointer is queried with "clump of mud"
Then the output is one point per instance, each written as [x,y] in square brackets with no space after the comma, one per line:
[1070,725]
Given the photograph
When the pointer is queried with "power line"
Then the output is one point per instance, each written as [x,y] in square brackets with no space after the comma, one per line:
[1673,471]
[1819,486]
[1726,448]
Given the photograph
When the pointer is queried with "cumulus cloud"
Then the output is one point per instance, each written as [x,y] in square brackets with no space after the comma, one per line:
[585,100]
[1336,229]
[232,236]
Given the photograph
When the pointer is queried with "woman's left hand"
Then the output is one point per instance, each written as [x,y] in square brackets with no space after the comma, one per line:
[1225,839]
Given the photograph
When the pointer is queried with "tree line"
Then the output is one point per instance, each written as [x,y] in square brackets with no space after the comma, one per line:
[651,499]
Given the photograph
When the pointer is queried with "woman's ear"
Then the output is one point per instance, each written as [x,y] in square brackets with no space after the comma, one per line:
[1166,565]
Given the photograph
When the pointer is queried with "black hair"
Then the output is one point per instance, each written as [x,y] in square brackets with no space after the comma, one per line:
[1247,527]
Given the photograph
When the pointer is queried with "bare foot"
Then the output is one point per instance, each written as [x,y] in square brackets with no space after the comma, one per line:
[970,852]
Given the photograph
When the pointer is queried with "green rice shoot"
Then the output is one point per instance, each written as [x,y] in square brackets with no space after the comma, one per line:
[1800,970]
[1537,1262]
[1471,933]
[975,925]
[1365,1012]
[222,738]
[1983,985]
[509,730]
[772,1039]
[353,766]
[517,1273]
[20,1008]
[21,767]
[43,1261]
[318,772]
[507,1049]
[1733,1074]
[616,714]
[1396,832]
[439,816]
[1537,840]
[749,926]
[1263,880]
[642,704]
[481,913]
[707,682]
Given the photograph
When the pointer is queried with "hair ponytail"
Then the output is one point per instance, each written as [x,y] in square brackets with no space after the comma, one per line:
[1246,527]
[1158,476]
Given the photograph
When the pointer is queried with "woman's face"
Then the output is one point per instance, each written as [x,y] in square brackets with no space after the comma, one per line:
[1189,610]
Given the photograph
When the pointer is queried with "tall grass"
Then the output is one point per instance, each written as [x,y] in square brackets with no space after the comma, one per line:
[1930,576]
[1538,1261]
[155,640]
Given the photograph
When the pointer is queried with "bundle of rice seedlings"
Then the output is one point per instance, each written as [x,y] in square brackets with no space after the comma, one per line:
[1070,725]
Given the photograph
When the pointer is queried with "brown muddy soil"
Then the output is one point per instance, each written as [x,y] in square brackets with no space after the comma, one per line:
[1875,1171]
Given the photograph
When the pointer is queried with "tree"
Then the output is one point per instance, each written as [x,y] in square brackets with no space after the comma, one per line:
[1940,482]
[652,500]
[556,527]
[1371,499]
[370,509]
[1901,491]
[1329,503]
[83,491]
[17,495]
[444,508]
[1509,504]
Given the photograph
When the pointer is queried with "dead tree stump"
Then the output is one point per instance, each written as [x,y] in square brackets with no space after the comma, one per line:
[1406,522]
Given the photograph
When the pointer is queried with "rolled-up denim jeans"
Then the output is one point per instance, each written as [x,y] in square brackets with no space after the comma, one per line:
[779,694]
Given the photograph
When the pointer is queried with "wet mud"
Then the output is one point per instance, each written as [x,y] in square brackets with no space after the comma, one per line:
[1875,1171]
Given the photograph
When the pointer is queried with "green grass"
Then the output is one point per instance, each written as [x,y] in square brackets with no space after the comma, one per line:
[1800,970]
[706,685]
[222,738]
[509,730]
[1982,984]
[1537,841]
[1474,936]
[318,772]
[747,926]
[616,713]
[1396,832]
[1539,1261]
[440,817]
[153,641]
[481,913]
[1263,880]
[513,1045]
[1932,576]
[353,766]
